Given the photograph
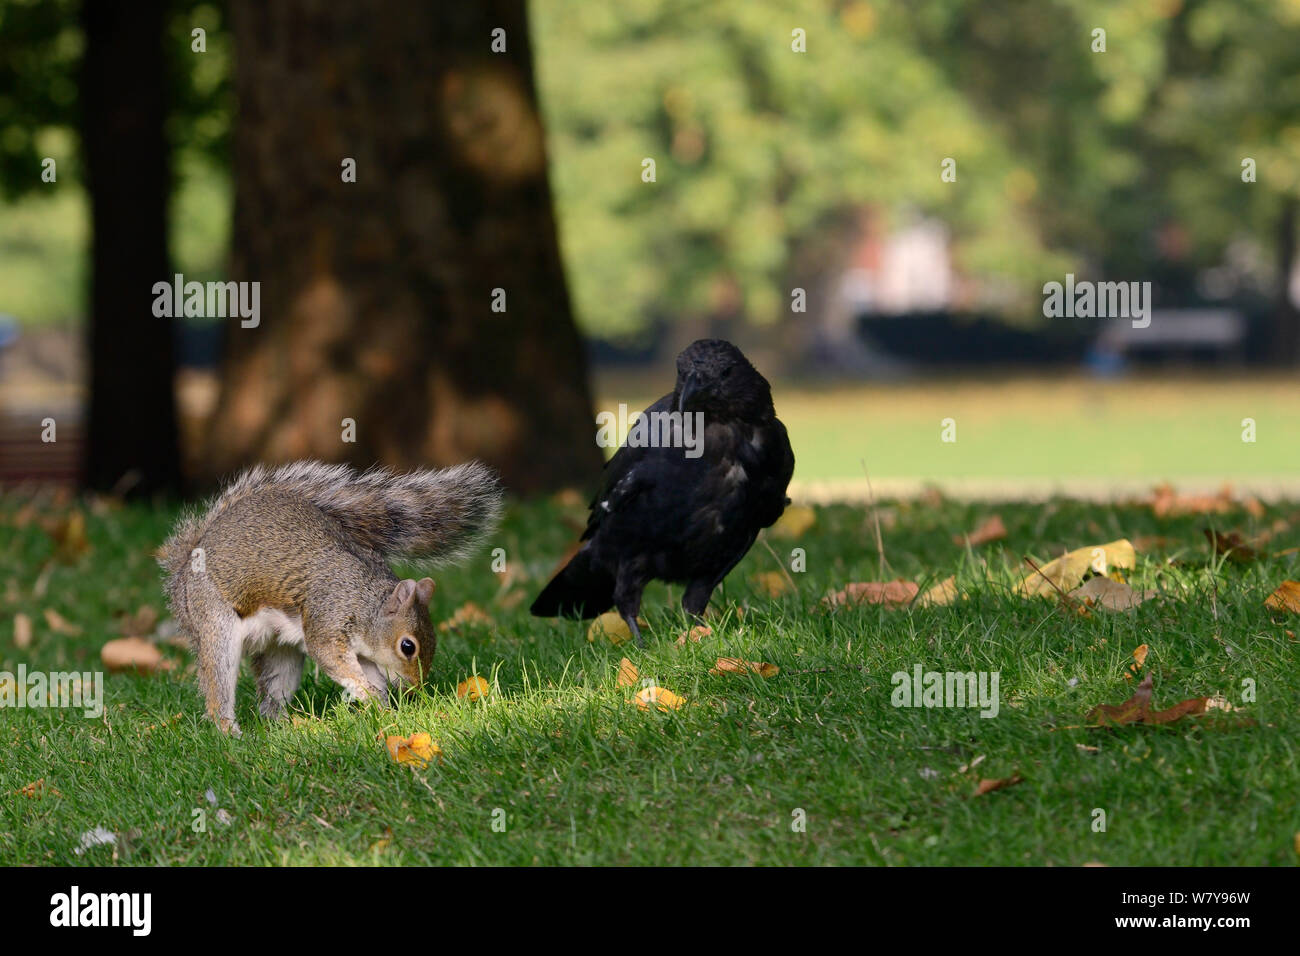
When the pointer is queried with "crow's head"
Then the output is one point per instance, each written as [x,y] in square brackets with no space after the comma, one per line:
[715,378]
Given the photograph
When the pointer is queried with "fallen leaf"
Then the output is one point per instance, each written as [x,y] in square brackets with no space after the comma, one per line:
[611,626]
[1165,502]
[1137,709]
[36,790]
[1285,598]
[139,624]
[131,653]
[22,631]
[417,750]
[1109,594]
[69,535]
[888,593]
[1067,572]
[627,673]
[1139,657]
[1232,546]
[734,665]
[943,593]
[989,785]
[771,583]
[990,529]
[472,688]
[794,522]
[694,634]
[468,614]
[660,697]
[59,624]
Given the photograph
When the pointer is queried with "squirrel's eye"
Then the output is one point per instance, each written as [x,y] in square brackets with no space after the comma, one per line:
[407,647]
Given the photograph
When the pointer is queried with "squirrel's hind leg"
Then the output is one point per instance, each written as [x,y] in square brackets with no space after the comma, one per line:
[278,670]
[218,636]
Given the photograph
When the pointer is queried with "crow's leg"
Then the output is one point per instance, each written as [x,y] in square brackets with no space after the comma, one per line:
[627,598]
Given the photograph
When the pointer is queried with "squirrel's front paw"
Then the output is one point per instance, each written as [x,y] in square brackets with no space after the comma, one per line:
[355,690]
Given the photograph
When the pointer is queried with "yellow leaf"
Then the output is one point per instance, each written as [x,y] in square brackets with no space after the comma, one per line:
[473,688]
[612,627]
[1067,571]
[734,665]
[627,673]
[794,522]
[694,634]
[771,583]
[660,697]
[945,592]
[416,750]
[1285,598]
[1139,657]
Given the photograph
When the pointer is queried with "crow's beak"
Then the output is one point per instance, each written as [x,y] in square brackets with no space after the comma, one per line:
[690,386]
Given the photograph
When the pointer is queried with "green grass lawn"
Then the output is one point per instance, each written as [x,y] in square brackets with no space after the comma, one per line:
[584,777]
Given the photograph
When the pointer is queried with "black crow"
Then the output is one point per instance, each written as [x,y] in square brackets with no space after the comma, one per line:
[685,513]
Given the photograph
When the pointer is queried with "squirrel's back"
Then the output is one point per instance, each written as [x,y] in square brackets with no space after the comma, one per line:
[434,515]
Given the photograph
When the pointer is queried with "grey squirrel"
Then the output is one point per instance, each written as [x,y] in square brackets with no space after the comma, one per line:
[292,561]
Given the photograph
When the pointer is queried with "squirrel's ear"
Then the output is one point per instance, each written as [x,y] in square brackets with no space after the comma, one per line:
[424,590]
[401,596]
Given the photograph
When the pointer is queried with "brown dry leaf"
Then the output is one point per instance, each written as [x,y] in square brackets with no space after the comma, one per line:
[22,632]
[627,674]
[694,634]
[139,624]
[794,522]
[473,688]
[1233,546]
[468,614]
[612,627]
[943,593]
[417,750]
[888,593]
[69,535]
[1137,709]
[131,653]
[990,529]
[734,665]
[59,624]
[36,790]
[1109,594]
[1285,598]
[987,785]
[771,583]
[1067,571]
[1166,502]
[659,697]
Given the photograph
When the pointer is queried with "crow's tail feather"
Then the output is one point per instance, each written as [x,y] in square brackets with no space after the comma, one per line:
[580,590]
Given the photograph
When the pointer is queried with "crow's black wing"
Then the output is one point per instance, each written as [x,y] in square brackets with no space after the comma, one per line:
[768,459]
[623,480]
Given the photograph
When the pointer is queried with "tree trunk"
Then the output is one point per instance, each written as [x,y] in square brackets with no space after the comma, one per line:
[377,295]
[131,429]
[1286,318]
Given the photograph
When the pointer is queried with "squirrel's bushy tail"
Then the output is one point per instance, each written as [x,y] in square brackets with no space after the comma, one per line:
[431,515]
